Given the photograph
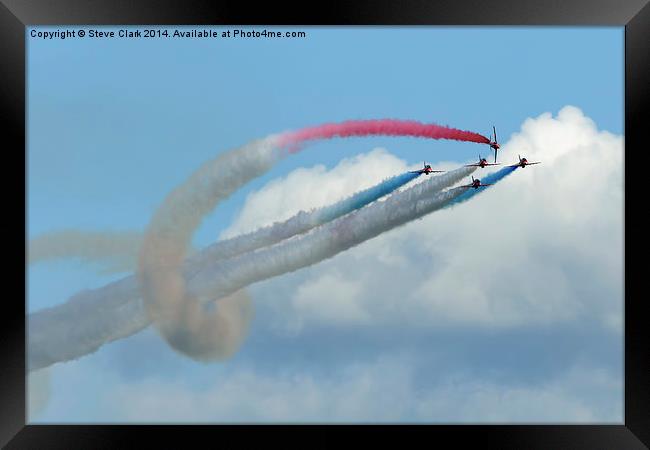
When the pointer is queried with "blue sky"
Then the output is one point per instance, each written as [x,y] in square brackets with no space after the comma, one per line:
[114,125]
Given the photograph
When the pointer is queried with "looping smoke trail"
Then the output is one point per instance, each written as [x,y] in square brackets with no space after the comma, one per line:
[228,326]
[176,311]
[178,315]
[233,315]
[385,127]
[301,222]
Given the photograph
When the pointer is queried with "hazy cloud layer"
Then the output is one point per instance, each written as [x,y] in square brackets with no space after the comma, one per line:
[384,389]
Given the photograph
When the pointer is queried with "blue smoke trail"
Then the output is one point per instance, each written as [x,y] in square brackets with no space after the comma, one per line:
[301,222]
[489,179]
[362,198]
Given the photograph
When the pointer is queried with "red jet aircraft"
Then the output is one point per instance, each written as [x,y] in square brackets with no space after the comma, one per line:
[523,162]
[426,170]
[482,162]
[494,144]
[476,183]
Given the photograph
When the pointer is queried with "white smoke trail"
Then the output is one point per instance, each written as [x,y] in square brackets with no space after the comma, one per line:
[117,250]
[299,223]
[91,319]
[39,392]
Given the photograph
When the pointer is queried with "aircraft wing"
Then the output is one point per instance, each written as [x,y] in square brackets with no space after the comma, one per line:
[438,171]
[472,165]
[530,164]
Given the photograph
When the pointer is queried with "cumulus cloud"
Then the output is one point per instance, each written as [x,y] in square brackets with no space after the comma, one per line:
[316,297]
[544,246]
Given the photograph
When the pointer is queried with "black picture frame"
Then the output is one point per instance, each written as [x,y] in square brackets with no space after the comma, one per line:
[16,15]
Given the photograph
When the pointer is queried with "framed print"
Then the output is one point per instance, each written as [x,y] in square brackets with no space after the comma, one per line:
[374,214]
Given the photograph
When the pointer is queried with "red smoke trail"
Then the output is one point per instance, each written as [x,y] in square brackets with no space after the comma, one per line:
[381,127]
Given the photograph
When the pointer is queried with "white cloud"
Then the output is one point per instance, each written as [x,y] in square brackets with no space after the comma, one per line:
[544,246]
[332,298]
